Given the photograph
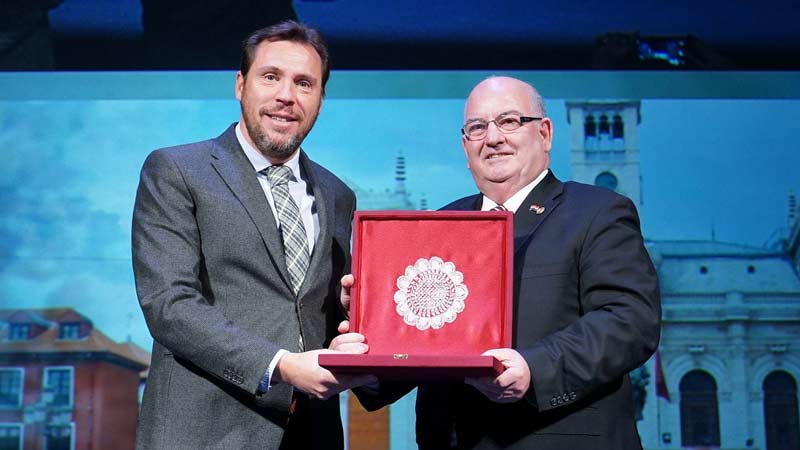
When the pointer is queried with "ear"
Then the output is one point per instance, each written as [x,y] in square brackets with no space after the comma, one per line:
[546,133]
[464,147]
[239,85]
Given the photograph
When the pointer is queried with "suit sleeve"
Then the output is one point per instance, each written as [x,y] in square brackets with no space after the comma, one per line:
[169,268]
[619,324]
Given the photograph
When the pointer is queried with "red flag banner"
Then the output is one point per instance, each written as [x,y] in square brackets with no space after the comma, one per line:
[661,382]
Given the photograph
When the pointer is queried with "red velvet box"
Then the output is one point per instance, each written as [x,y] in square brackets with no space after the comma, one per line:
[433,291]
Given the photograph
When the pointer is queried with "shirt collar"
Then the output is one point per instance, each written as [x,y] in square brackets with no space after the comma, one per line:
[515,201]
[260,162]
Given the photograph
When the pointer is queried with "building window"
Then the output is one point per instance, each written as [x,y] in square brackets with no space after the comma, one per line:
[11,387]
[19,332]
[607,180]
[604,127]
[10,436]
[59,438]
[589,127]
[617,127]
[58,382]
[699,412]
[69,330]
[780,412]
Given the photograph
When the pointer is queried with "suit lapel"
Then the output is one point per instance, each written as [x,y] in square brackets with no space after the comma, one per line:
[526,220]
[235,169]
[473,203]
[324,204]
[545,195]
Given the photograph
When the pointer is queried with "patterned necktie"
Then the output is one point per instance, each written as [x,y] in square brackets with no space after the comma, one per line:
[499,208]
[295,243]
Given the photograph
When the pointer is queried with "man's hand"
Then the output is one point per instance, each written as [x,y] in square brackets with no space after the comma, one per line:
[347,282]
[511,385]
[348,342]
[303,371]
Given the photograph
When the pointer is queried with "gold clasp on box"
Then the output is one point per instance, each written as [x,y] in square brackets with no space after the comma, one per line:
[401,356]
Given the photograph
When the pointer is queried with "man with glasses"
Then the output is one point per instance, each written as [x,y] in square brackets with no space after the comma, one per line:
[586,299]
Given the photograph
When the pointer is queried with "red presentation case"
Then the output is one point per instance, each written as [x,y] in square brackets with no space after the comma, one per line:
[433,292]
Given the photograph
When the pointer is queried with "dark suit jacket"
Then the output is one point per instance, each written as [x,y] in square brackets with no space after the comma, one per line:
[213,285]
[586,312]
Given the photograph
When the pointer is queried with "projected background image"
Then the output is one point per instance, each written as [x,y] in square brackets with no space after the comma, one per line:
[712,170]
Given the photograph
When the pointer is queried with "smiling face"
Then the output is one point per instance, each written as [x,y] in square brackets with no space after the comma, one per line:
[280,96]
[503,163]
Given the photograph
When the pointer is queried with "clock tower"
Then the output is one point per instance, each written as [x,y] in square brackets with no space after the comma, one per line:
[604,145]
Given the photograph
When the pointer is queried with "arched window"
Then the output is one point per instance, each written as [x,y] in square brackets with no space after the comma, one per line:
[607,180]
[780,412]
[604,127]
[589,127]
[617,127]
[699,412]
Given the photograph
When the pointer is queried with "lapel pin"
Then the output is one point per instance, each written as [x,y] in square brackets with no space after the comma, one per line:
[537,209]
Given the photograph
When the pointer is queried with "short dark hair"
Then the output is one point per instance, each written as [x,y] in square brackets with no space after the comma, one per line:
[288,30]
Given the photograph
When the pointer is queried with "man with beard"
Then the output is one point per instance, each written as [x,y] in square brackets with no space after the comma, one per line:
[239,244]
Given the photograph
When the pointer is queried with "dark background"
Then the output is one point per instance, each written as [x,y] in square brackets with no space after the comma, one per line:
[400,34]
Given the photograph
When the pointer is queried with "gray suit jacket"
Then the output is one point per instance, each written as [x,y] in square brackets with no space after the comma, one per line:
[213,285]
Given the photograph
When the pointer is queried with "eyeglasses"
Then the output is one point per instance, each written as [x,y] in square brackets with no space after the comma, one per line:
[476,129]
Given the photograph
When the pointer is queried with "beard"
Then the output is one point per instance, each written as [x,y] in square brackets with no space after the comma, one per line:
[271,148]
[277,151]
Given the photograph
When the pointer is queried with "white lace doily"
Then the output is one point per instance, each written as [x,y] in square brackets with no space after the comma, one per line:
[430,293]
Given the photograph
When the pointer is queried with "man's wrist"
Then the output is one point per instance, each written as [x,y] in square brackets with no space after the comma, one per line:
[271,376]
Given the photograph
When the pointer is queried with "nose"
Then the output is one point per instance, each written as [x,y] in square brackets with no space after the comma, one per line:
[493,135]
[286,92]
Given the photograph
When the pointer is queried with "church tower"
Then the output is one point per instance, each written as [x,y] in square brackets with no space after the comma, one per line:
[604,145]
[793,241]
[400,175]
